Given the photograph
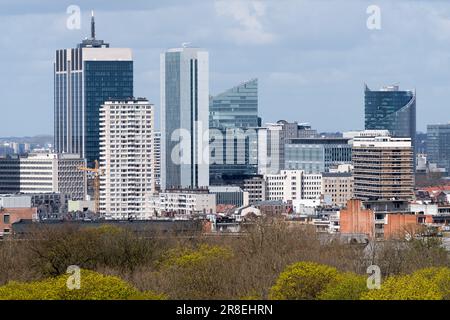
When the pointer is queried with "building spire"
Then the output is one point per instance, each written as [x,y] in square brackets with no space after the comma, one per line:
[92,25]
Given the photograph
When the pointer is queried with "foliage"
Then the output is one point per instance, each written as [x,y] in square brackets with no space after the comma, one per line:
[303,281]
[406,287]
[347,286]
[187,257]
[93,286]
[195,273]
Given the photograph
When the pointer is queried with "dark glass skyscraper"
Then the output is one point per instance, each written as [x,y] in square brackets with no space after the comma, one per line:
[391,109]
[231,114]
[438,145]
[85,77]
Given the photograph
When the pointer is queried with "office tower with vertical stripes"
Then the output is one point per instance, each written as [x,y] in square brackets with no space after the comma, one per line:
[184,118]
[84,78]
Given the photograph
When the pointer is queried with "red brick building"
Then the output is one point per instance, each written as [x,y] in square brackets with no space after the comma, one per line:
[10,215]
[357,219]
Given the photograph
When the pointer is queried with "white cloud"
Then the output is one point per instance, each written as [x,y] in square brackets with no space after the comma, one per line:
[249,15]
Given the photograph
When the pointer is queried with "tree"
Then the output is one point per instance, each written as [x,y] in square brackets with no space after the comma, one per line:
[303,281]
[346,286]
[406,287]
[93,286]
[199,273]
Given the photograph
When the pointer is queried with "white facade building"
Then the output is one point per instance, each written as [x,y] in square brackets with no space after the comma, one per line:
[183,202]
[126,158]
[291,185]
[52,172]
[157,158]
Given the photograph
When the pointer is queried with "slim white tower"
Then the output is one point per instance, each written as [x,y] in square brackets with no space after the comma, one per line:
[126,159]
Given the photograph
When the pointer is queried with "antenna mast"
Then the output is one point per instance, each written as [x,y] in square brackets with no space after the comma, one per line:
[92,25]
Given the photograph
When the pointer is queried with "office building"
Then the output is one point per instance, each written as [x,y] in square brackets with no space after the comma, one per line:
[391,109]
[236,107]
[290,185]
[316,155]
[184,118]
[126,158]
[383,167]
[438,145]
[44,173]
[9,174]
[233,155]
[233,117]
[337,188]
[230,195]
[272,140]
[85,77]
[256,188]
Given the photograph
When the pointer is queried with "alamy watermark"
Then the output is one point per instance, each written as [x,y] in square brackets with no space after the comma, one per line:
[74,280]
[374,19]
[73,21]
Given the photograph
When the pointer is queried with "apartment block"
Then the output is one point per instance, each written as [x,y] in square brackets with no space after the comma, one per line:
[383,167]
[126,158]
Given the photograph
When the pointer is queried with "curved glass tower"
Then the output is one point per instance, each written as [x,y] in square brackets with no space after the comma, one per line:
[391,109]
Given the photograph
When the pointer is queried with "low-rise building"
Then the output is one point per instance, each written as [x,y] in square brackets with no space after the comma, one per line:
[44,173]
[256,188]
[290,185]
[14,208]
[271,207]
[337,187]
[381,219]
[183,202]
[230,195]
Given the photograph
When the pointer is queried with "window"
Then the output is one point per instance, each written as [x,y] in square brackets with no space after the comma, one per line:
[6,218]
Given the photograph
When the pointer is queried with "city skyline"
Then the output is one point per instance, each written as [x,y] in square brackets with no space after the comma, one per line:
[341,55]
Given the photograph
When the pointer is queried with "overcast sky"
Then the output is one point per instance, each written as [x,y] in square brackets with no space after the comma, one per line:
[312,57]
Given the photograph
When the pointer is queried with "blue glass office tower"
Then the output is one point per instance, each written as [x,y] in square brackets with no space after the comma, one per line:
[231,115]
[236,107]
[438,145]
[84,78]
[391,109]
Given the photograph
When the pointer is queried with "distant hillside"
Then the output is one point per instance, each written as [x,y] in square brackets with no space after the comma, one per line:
[38,139]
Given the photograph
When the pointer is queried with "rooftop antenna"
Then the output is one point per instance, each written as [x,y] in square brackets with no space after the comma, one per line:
[92,25]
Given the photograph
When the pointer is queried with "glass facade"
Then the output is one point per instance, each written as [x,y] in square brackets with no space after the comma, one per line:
[85,77]
[391,109]
[172,171]
[236,107]
[234,147]
[438,145]
[316,155]
[103,80]
[184,118]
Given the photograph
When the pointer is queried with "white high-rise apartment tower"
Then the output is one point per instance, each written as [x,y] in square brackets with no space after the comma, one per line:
[126,159]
